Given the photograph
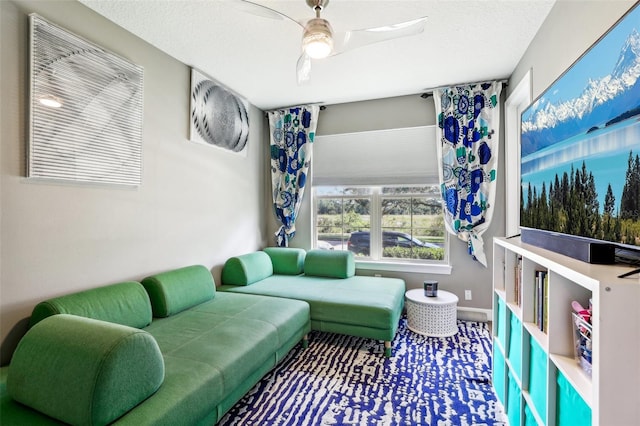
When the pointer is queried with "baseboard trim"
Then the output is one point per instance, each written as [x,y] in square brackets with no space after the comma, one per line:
[474,314]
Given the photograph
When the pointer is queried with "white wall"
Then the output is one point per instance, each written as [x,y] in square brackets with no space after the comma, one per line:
[196,205]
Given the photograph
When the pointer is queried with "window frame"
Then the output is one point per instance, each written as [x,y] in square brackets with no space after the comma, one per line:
[375,261]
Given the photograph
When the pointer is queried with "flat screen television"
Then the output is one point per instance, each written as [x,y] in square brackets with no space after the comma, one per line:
[580,151]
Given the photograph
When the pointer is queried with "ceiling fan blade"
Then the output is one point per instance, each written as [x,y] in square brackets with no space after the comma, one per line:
[303,69]
[354,39]
[263,11]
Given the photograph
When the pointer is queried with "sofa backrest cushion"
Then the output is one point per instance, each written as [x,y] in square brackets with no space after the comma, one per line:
[286,260]
[179,289]
[125,303]
[247,268]
[330,263]
[83,371]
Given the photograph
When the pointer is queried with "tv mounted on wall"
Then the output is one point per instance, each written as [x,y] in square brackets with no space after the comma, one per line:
[580,153]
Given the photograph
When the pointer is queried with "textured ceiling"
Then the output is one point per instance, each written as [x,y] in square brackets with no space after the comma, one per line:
[464,41]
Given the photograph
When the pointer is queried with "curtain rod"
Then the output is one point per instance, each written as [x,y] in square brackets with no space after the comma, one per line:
[322,108]
[429,92]
[424,95]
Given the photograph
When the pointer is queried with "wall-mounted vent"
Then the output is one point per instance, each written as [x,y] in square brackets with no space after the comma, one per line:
[85,110]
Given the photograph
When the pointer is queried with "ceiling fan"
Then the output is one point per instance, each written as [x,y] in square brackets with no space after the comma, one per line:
[320,41]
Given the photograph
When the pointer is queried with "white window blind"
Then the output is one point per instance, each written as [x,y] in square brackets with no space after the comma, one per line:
[394,156]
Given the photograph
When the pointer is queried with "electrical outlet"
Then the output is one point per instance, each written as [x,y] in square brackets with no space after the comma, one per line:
[467,295]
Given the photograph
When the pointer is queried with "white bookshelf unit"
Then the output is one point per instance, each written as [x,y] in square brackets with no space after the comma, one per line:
[535,373]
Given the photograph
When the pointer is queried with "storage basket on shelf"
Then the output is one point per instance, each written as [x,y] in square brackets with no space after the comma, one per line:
[582,342]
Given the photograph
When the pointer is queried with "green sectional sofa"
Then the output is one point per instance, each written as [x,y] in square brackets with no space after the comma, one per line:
[340,301]
[167,351]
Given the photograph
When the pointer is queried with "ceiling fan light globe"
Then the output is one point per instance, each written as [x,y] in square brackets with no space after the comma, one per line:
[318,48]
[317,40]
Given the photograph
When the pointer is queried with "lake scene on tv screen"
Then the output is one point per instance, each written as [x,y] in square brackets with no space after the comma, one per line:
[580,144]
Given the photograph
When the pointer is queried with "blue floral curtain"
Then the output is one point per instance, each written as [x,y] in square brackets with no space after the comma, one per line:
[292,133]
[468,124]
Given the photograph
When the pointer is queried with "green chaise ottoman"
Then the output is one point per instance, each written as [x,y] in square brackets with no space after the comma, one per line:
[340,301]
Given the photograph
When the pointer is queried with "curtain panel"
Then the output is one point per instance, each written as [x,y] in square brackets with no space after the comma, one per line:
[292,134]
[468,144]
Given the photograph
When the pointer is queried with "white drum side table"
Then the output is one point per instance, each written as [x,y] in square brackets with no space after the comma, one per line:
[432,316]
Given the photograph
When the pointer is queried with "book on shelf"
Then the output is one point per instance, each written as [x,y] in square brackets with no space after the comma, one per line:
[541,300]
[517,282]
[545,306]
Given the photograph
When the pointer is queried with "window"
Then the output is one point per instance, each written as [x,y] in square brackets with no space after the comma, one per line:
[382,223]
[376,193]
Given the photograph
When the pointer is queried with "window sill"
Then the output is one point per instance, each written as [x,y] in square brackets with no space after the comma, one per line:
[441,269]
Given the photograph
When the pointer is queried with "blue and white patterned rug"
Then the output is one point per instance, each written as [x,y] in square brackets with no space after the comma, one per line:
[344,380]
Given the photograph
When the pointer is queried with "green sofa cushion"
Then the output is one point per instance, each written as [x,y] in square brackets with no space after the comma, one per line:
[124,303]
[84,371]
[330,263]
[286,260]
[215,349]
[179,289]
[247,268]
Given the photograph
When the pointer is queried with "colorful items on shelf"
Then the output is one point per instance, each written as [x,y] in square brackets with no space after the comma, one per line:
[585,314]
[582,334]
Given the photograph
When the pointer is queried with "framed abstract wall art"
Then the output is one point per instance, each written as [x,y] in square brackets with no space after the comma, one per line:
[85,110]
[218,116]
